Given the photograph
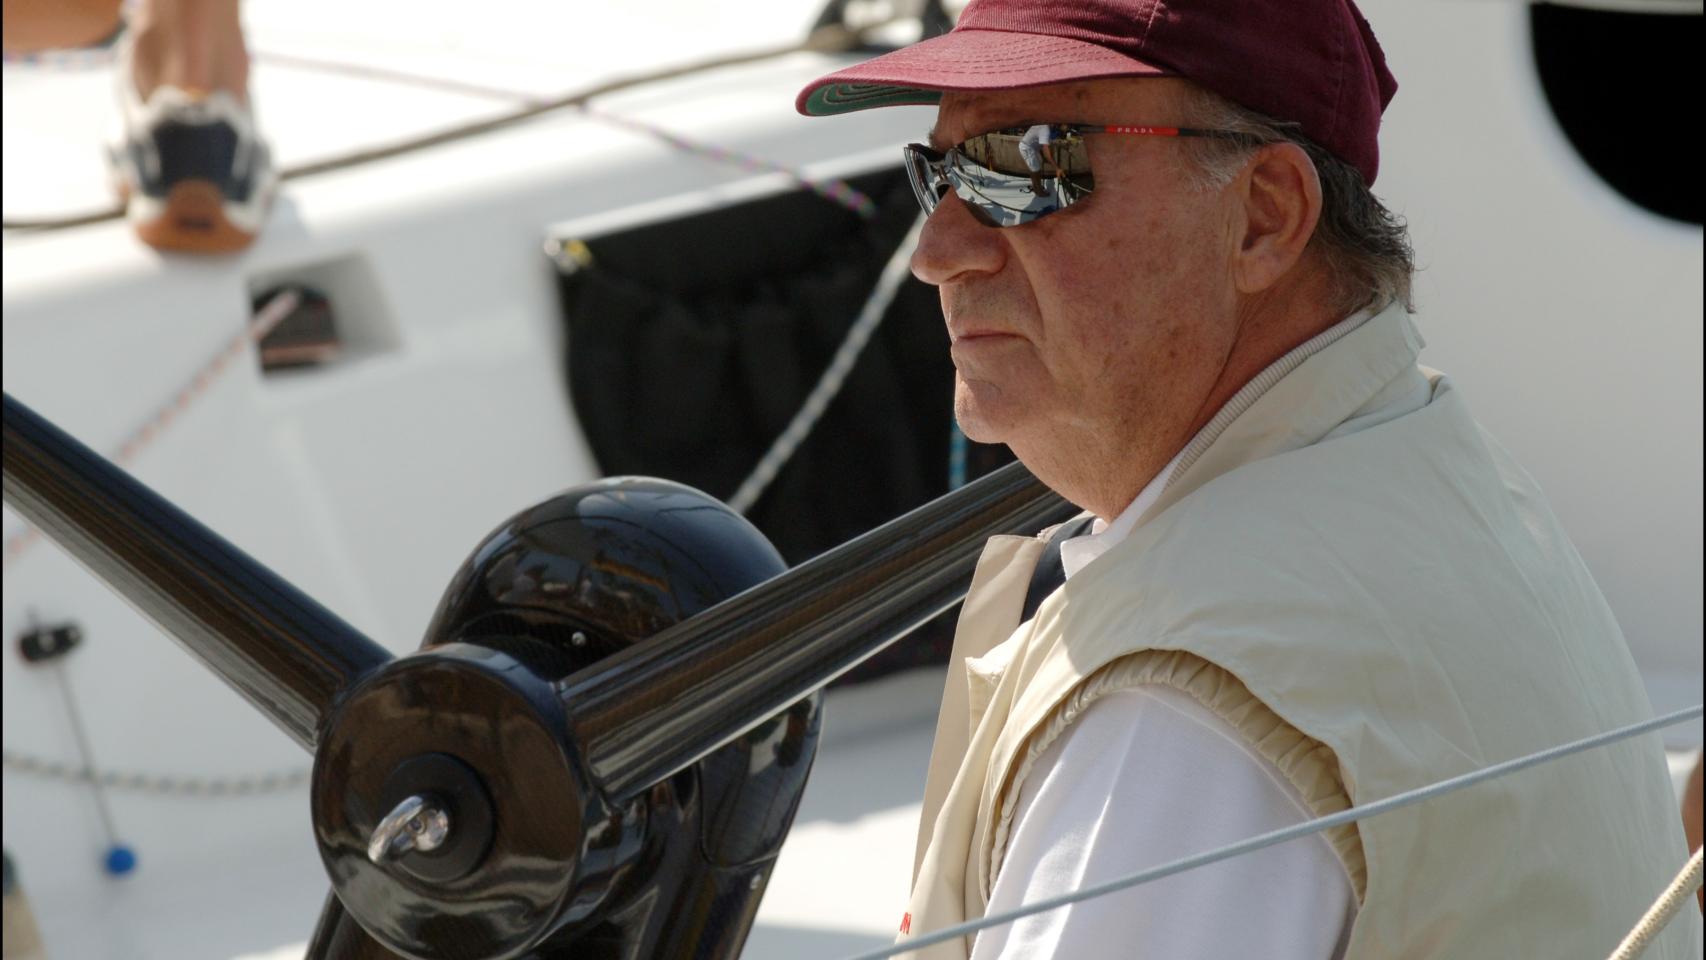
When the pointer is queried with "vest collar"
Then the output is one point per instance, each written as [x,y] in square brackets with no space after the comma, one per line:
[1299,398]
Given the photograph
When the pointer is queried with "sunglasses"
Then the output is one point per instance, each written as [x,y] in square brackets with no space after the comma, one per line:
[1016,175]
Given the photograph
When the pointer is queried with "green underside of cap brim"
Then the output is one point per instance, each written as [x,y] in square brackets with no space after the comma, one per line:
[834,98]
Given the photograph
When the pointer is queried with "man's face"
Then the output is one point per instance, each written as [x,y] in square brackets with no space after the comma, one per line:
[1099,328]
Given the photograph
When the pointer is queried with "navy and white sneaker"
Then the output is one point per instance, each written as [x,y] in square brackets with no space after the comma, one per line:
[193,172]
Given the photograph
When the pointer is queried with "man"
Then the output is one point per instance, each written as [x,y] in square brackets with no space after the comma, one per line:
[1034,149]
[1312,581]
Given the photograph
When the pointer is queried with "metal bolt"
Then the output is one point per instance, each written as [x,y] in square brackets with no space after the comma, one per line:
[570,255]
[578,638]
[418,823]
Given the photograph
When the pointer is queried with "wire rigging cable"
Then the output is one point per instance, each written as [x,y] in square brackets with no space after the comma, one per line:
[1273,837]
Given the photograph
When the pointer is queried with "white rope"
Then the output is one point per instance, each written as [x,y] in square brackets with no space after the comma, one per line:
[1281,836]
[1660,914]
[828,385]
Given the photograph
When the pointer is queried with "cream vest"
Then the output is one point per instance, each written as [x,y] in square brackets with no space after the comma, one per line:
[1366,586]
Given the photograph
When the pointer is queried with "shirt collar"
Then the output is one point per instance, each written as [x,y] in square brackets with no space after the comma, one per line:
[1076,554]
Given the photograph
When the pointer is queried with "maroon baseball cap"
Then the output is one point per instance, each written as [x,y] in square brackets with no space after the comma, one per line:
[1312,62]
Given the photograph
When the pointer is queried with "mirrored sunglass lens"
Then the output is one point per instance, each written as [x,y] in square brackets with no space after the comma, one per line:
[928,185]
[1016,176]
[915,175]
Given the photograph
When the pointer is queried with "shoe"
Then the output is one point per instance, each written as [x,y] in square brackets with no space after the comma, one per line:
[191,169]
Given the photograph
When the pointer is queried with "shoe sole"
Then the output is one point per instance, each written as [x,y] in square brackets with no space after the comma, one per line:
[193,221]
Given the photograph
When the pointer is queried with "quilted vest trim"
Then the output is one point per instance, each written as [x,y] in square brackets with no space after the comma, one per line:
[1307,764]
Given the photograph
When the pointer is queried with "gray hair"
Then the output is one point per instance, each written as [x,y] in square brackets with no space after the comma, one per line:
[1365,247]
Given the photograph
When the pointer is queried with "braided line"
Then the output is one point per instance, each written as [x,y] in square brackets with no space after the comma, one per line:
[131,447]
[207,787]
[1663,910]
[836,191]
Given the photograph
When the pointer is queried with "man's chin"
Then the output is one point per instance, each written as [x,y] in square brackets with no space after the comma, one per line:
[976,432]
[981,421]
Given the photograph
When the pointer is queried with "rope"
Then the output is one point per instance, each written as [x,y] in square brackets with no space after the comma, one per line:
[368,72]
[1660,914]
[831,39]
[834,376]
[153,783]
[1271,838]
[272,313]
[838,191]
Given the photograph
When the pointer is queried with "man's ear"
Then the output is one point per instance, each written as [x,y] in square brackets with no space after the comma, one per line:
[1281,195]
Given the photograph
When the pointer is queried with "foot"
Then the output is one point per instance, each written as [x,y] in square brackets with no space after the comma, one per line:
[194,174]
[191,166]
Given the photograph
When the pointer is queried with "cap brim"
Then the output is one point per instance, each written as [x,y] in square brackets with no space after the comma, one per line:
[965,60]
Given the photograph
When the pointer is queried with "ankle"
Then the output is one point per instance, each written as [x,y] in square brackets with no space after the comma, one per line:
[196,54]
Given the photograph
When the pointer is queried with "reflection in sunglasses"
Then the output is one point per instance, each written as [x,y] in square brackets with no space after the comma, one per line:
[1007,198]
[1006,177]
[1009,194]
[1011,177]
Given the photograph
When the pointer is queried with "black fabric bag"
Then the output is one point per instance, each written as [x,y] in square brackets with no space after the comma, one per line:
[692,343]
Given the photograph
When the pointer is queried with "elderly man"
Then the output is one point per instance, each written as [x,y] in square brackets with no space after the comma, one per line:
[1312,580]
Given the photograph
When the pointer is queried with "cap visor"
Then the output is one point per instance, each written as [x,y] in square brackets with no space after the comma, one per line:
[965,60]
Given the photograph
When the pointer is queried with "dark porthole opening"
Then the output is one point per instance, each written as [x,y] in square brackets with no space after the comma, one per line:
[1621,84]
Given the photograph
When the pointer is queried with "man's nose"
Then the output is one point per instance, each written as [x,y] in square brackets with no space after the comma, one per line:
[954,243]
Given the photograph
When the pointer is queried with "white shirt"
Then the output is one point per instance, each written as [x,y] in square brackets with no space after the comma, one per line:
[1146,776]
[1031,144]
[1038,135]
